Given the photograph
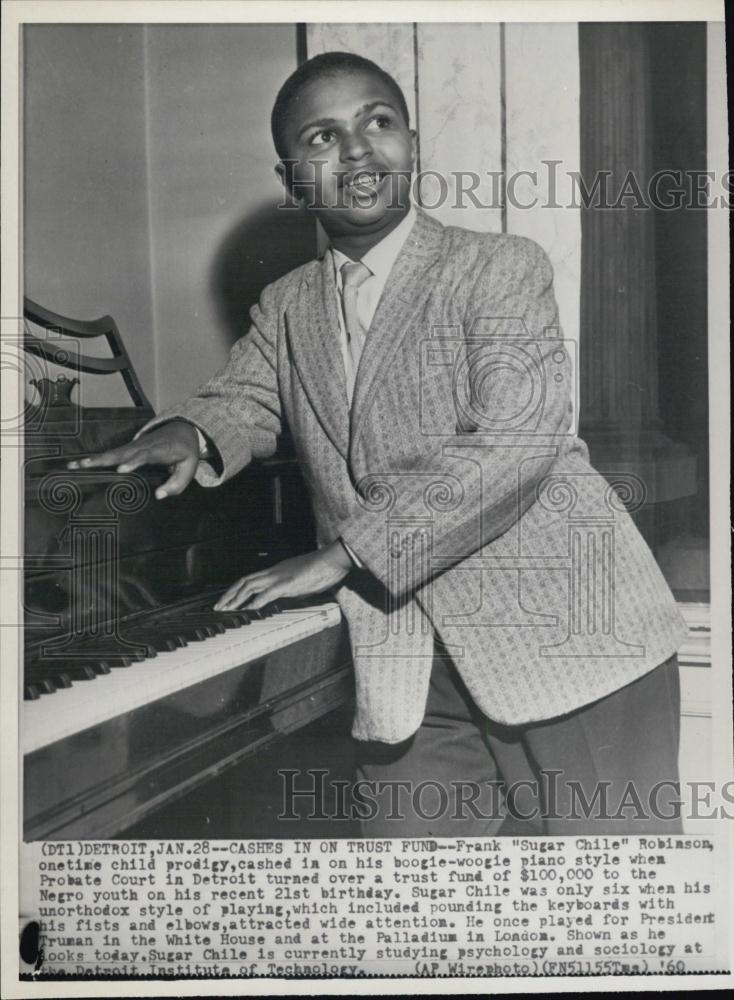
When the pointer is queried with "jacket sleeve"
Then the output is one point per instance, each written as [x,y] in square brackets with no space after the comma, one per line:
[517,389]
[238,409]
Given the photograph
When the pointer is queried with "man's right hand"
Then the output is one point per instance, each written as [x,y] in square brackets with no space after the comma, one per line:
[174,444]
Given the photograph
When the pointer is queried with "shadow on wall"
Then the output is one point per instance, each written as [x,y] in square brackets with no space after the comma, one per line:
[260,248]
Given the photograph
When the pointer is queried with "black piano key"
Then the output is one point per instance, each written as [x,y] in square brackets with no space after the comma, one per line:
[219,627]
[237,618]
[179,639]
[198,621]
[31,693]
[231,619]
[176,639]
[99,667]
[161,643]
[86,670]
[199,633]
[43,685]
[95,651]
[57,678]
[74,669]
[180,635]
[144,649]
[109,663]
[89,668]
[82,672]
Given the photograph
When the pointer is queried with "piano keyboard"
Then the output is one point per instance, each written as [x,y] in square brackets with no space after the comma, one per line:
[71,709]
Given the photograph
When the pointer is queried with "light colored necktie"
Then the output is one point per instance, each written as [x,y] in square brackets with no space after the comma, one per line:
[354,274]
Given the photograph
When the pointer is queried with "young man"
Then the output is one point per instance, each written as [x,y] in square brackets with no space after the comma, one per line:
[507,621]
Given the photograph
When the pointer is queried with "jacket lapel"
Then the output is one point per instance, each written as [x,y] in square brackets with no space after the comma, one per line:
[313,332]
[405,293]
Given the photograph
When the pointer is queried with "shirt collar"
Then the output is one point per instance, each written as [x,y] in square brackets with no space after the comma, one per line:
[383,255]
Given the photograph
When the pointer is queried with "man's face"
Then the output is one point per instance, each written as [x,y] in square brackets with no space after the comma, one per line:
[353,153]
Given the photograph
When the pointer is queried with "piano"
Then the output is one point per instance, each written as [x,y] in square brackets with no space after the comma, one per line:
[135,690]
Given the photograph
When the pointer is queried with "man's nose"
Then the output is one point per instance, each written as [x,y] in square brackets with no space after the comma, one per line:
[354,147]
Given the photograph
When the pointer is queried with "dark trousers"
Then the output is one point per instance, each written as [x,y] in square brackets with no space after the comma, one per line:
[610,767]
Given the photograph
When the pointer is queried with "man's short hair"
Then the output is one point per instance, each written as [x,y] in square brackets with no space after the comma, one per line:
[326,64]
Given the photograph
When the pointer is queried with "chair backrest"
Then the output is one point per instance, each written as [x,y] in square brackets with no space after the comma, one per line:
[119,363]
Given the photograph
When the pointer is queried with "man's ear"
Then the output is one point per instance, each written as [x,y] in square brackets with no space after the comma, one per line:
[414,144]
[284,172]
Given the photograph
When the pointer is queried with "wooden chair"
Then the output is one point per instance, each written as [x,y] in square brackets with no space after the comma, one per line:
[119,363]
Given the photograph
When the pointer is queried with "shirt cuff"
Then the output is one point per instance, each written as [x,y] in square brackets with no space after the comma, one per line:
[203,444]
[352,555]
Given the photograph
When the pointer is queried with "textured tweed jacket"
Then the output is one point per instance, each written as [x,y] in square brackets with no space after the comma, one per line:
[455,480]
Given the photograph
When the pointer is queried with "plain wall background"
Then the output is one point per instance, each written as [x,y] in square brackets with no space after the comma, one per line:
[86,229]
[149,190]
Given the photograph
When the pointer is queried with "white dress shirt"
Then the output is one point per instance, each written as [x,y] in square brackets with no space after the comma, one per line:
[379,260]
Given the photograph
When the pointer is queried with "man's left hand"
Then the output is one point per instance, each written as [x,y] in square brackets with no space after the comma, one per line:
[297,577]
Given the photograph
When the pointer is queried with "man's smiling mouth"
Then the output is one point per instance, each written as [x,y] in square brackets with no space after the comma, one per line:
[363,181]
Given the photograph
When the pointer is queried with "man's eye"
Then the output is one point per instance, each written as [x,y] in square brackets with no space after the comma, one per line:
[321,138]
[379,122]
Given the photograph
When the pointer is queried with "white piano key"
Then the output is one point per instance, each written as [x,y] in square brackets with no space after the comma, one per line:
[88,703]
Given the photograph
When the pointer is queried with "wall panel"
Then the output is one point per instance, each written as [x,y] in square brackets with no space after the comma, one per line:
[460,118]
[542,125]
